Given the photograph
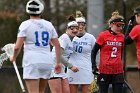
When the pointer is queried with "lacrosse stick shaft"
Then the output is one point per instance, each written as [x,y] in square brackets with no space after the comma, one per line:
[19,78]
[130,89]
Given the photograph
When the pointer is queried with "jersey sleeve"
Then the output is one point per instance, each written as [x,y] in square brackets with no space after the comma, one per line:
[54,33]
[62,41]
[22,30]
[134,33]
[93,41]
[100,39]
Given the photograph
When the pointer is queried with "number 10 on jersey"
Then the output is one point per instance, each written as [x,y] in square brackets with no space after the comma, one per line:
[79,49]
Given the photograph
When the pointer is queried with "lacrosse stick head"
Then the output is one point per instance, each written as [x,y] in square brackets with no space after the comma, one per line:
[93,86]
[9,49]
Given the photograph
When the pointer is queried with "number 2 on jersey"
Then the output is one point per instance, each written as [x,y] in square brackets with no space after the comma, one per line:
[114,51]
[44,36]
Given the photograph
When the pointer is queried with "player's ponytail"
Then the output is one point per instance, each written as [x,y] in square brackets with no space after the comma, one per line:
[71,18]
[72,21]
[116,17]
[79,14]
[79,17]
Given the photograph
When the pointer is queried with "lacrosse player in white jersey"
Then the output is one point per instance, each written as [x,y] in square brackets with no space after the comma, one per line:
[81,58]
[58,82]
[36,35]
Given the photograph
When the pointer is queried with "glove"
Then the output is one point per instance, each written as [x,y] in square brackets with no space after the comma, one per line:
[95,70]
[130,26]
[132,18]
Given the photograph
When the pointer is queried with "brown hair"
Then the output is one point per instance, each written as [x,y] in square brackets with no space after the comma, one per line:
[137,10]
[71,17]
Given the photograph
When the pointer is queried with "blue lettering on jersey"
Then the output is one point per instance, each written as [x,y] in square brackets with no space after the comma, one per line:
[44,37]
[79,46]
[79,49]
[79,43]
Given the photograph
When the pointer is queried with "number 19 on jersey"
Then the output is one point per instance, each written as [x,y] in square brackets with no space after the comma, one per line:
[44,38]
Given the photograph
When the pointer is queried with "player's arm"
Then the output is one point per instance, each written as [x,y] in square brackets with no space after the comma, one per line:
[65,62]
[127,38]
[18,46]
[56,44]
[93,57]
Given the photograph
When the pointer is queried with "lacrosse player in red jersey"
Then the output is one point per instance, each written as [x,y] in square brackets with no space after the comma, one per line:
[110,43]
[134,34]
[36,34]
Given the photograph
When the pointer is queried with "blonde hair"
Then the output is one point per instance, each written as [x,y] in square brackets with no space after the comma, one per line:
[115,15]
[79,14]
[80,17]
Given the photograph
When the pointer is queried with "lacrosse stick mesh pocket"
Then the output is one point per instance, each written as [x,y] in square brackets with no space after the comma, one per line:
[93,87]
[9,49]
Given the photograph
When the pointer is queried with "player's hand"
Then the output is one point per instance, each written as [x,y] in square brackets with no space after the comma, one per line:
[58,67]
[12,59]
[74,69]
[95,71]
[132,18]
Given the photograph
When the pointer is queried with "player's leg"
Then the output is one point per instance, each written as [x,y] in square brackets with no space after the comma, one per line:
[103,88]
[32,85]
[73,88]
[29,75]
[103,82]
[118,81]
[42,85]
[117,88]
[85,88]
[55,85]
[65,86]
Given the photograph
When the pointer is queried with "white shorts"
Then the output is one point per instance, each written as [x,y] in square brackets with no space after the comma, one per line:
[62,75]
[81,77]
[36,71]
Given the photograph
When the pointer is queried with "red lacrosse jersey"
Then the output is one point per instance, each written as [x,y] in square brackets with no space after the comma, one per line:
[135,35]
[110,52]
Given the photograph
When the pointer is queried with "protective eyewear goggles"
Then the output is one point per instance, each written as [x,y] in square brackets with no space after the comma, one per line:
[74,27]
[81,23]
[119,24]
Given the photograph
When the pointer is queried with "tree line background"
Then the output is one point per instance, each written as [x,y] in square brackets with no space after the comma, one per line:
[12,13]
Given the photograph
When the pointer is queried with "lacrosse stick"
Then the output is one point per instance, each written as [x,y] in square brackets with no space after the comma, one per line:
[3,57]
[93,86]
[9,49]
[128,86]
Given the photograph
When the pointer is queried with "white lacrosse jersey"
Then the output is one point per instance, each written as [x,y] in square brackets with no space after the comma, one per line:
[67,45]
[82,51]
[37,33]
